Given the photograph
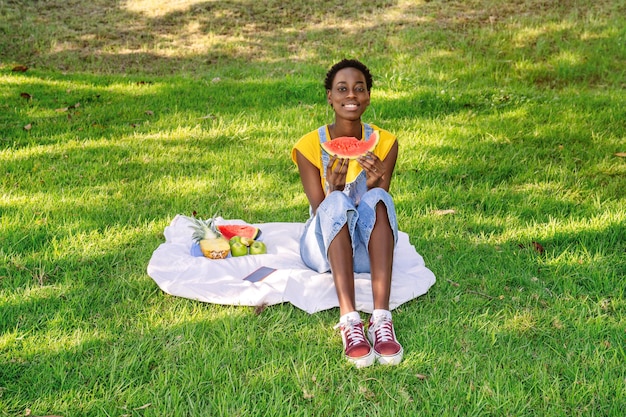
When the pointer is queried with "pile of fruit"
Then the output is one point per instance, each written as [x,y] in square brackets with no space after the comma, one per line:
[217,241]
[240,246]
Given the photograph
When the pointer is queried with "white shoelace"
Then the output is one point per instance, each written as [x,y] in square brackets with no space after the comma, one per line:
[352,334]
[383,329]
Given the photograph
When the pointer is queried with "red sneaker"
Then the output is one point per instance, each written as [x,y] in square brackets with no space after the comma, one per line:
[356,347]
[383,338]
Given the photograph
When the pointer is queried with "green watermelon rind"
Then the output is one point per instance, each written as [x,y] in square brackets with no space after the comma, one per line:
[345,147]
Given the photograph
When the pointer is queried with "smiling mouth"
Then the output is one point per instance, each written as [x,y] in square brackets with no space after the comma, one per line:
[351,106]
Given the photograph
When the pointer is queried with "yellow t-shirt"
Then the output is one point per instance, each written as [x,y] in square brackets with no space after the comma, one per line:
[309,146]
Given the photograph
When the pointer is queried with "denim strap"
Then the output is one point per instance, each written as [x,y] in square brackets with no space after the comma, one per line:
[325,157]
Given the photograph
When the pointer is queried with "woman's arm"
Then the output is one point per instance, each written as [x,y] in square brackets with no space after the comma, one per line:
[310,177]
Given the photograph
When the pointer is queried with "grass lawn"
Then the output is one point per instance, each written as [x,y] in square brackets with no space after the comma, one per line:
[511,182]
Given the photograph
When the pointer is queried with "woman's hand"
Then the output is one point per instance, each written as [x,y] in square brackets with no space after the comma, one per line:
[374,169]
[336,171]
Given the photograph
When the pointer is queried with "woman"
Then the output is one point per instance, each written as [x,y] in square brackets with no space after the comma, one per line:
[353,225]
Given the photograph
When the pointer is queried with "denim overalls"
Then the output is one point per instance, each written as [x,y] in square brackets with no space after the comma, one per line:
[354,206]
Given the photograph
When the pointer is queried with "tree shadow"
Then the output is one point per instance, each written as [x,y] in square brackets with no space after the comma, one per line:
[212,37]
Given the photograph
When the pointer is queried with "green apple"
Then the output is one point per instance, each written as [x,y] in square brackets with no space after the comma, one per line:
[234,239]
[257,248]
[238,249]
[246,241]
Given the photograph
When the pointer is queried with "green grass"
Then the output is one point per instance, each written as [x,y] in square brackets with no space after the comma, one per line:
[509,113]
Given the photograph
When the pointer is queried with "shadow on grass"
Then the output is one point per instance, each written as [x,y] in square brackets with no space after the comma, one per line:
[144,166]
[546,46]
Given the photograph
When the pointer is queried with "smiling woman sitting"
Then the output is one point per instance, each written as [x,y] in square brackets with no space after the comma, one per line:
[353,226]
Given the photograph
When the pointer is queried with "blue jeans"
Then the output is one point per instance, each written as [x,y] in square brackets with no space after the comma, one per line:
[333,213]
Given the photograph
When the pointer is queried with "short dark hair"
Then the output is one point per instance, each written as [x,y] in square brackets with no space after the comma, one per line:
[348,63]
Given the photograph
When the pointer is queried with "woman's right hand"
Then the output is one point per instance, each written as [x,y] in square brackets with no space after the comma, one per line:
[336,171]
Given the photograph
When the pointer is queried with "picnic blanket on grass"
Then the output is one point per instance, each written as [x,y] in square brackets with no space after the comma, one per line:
[178,272]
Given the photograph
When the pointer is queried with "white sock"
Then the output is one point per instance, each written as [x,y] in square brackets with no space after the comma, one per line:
[351,316]
[381,313]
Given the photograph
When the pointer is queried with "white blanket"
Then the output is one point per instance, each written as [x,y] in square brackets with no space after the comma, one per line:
[178,272]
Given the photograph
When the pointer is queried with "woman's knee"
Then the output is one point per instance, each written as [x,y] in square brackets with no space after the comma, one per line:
[374,199]
[378,208]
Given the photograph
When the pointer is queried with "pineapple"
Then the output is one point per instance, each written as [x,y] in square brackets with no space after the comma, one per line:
[212,244]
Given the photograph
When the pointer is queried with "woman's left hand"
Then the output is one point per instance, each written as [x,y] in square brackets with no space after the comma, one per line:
[373,167]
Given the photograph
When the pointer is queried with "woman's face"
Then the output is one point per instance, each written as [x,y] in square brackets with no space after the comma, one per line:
[349,96]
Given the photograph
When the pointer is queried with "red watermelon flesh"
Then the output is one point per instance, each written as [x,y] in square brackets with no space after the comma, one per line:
[243,230]
[350,147]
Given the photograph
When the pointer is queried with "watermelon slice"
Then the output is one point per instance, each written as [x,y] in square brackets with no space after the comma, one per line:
[351,147]
[244,230]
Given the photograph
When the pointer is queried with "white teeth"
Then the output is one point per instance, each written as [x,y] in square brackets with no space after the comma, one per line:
[350,106]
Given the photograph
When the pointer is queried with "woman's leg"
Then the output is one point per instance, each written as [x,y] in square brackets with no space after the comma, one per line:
[341,266]
[377,217]
[381,331]
[380,249]
[378,230]
[338,212]
[335,215]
